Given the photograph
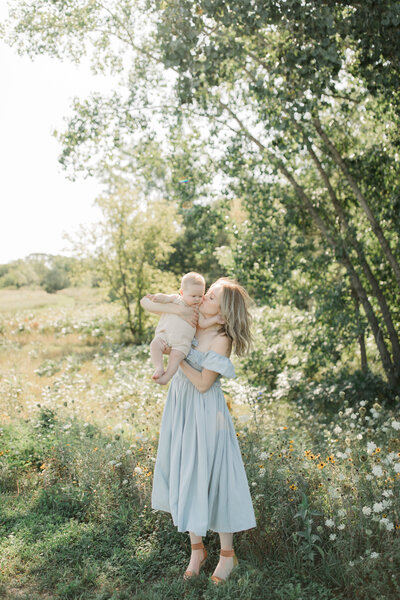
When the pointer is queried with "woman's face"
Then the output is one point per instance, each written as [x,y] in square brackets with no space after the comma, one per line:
[210,304]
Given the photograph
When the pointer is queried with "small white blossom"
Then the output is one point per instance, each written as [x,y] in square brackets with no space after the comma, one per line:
[138,470]
[377,471]
[397,468]
[341,526]
[329,523]
[332,536]
[368,477]
[366,510]
[378,507]
[371,446]
[374,555]
[396,425]
[387,493]
[341,512]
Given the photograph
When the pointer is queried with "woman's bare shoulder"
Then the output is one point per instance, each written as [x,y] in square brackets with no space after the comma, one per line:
[221,344]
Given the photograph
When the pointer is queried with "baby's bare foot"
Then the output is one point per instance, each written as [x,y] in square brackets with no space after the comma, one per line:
[158,372]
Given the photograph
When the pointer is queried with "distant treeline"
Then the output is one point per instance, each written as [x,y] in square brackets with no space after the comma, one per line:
[47,271]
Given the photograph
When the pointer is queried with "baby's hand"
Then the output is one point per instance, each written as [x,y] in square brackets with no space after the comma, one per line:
[151,297]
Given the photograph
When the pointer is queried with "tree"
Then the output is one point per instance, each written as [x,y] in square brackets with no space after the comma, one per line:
[127,248]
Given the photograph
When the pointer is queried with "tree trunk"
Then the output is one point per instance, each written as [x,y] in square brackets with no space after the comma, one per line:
[361,336]
[376,228]
[394,339]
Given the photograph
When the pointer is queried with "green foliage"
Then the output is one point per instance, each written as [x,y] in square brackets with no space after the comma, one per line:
[127,249]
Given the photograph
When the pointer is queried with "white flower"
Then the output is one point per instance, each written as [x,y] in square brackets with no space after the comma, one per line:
[389,526]
[351,563]
[138,470]
[377,470]
[387,493]
[368,477]
[366,510]
[378,507]
[397,468]
[332,536]
[125,481]
[396,425]
[263,455]
[341,512]
[371,446]
[337,430]
[363,403]
[368,532]
[374,555]
[341,526]
[329,523]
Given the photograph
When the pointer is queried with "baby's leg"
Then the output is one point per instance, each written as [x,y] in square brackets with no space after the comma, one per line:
[175,359]
[156,353]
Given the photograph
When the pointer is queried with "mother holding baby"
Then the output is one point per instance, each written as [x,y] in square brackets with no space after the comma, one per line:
[199,475]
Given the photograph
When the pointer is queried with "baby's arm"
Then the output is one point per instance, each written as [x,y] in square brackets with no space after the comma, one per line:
[207,322]
[187,313]
[163,298]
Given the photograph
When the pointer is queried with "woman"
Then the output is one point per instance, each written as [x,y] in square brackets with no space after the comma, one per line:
[199,475]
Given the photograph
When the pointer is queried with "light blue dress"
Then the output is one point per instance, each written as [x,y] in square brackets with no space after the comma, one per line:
[199,475]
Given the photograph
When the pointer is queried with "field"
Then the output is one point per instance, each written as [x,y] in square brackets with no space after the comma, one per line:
[79,422]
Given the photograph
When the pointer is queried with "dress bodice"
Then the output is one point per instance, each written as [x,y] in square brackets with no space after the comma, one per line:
[210,360]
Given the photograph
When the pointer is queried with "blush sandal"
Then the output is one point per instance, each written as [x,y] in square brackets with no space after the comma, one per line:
[199,546]
[218,580]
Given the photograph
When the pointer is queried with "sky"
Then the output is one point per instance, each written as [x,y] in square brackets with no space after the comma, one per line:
[38,204]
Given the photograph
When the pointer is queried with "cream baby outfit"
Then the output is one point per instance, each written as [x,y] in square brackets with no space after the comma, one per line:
[175,331]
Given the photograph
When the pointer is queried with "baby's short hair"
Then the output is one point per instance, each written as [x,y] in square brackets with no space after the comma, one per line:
[192,278]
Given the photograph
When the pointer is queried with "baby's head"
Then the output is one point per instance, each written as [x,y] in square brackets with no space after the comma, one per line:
[192,289]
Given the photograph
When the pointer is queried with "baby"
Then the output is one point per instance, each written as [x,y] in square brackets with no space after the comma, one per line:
[172,330]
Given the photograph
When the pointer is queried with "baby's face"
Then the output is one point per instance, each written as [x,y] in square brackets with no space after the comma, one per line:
[193,294]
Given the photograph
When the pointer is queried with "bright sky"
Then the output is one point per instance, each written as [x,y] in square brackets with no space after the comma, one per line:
[37,203]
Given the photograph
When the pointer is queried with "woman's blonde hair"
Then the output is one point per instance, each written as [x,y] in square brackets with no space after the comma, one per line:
[234,304]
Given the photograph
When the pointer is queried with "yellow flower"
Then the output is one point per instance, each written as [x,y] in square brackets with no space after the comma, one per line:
[293,487]
[95,449]
[43,466]
[321,465]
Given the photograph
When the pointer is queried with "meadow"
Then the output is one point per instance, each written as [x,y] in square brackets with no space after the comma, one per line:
[79,423]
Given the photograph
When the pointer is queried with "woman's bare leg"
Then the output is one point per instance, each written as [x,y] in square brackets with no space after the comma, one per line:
[225,565]
[197,555]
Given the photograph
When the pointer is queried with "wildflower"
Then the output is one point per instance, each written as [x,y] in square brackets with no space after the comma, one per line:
[329,523]
[396,425]
[321,465]
[397,468]
[377,471]
[341,526]
[341,512]
[293,487]
[371,447]
[366,510]
[351,563]
[330,459]
[332,536]
[263,455]
[387,493]
[138,470]
[378,507]
[374,555]
[95,449]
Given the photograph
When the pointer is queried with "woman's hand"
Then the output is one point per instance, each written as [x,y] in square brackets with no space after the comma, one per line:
[189,314]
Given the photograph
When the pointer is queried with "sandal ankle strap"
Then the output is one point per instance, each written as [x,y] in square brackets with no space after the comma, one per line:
[227,553]
[199,546]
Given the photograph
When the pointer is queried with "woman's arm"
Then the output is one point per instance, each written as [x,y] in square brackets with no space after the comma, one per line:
[203,380]
[187,313]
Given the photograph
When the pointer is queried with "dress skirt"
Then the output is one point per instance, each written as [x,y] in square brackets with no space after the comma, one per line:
[199,476]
